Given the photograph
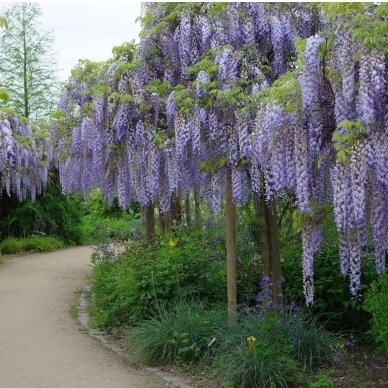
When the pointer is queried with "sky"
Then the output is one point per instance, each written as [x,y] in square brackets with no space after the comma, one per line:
[87,29]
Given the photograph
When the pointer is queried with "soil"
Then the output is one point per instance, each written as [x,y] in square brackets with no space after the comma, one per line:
[41,344]
[362,367]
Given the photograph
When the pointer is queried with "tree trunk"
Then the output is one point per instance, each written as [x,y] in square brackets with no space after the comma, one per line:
[230,225]
[162,221]
[269,241]
[25,76]
[178,205]
[273,232]
[176,209]
[150,222]
[260,207]
[197,208]
[188,210]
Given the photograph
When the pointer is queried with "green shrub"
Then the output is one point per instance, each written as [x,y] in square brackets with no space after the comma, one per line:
[257,353]
[95,229]
[177,334]
[52,214]
[332,298]
[190,263]
[376,302]
[128,289]
[35,244]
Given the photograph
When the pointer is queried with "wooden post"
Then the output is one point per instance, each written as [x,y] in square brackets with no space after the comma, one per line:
[230,226]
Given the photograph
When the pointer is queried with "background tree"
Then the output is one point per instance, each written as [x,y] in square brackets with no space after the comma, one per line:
[27,64]
[3,92]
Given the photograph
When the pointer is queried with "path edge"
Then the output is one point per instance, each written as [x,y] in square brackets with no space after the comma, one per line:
[84,320]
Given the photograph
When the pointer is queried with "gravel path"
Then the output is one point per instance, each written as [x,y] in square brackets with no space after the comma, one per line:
[41,345]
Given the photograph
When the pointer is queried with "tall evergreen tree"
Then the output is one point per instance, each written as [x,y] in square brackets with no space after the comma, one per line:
[27,63]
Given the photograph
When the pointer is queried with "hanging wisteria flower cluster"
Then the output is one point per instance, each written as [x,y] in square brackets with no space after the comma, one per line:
[217,89]
[25,158]
[332,148]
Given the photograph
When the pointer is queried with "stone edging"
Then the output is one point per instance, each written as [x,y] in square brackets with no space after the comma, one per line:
[83,317]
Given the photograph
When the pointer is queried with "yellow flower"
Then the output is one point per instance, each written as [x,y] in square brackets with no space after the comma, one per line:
[251,342]
[172,242]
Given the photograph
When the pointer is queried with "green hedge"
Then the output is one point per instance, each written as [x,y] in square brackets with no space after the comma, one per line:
[34,244]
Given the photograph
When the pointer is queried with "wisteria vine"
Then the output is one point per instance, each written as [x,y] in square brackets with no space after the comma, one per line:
[271,92]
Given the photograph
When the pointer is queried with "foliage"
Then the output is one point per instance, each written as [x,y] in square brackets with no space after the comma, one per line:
[102,222]
[27,62]
[312,344]
[97,230]
[376,303]
[34,243]
[276,349]
[190,263]
[130,288]
[366,21]
[332,295]
[288,336]
[178,333]
[321,380]
[256,353]
[52,214]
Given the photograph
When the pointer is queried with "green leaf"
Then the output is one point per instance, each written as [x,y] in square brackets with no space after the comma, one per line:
[4,96]
[3,22]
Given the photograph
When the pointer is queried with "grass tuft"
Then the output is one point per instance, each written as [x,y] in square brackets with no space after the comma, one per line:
[73,311]
[177,334]
[30,244]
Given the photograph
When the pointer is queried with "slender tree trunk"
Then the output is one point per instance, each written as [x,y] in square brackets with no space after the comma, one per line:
[261,218]
[176,209]
[230,226]
[197,208]
[25,77]
[173,208]
[276,273]
[150,222]
[162,221]
[269,241]
[143,216]
[178,205]
[188,210]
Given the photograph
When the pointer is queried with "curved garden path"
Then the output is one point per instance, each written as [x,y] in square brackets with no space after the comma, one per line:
[41,345]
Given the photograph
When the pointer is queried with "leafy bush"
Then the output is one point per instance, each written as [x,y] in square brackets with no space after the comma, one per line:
[257,353]
[34,243]
[103,222]
[52,214]
[177,334]
[332,297]
[128,289]
[191,263]
[95,229]
[376,302]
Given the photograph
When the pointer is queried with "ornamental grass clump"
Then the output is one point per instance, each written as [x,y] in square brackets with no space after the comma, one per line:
[177,334]
[257,353]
